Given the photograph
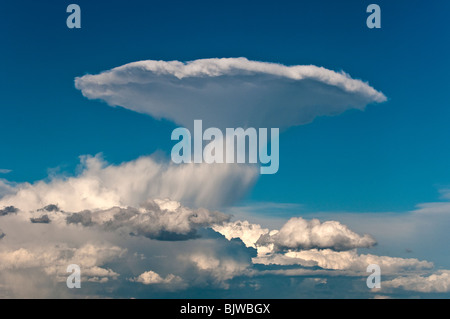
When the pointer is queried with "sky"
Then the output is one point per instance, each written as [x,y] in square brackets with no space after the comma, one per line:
[373,159]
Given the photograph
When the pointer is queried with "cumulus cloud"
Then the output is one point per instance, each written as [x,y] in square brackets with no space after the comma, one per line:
[329,245]
[299,233]
[216,90]
[54,259]
[156,219]
[343,260]
[119,245]
[436,282]
[152,278]
[244,230]
[102,186]
[221,268]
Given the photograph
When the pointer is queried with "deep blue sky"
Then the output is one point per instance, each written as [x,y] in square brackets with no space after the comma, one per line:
[388,158]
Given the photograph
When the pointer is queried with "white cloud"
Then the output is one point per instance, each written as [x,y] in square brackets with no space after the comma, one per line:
[247,232]
[5,171]
[295,234]
[299,233]
[54,259]
[343,260]
[99,241]
[436,282]
[381,297]
[314,244]
[221,268]
[152,278]
[216,90]
[102,186]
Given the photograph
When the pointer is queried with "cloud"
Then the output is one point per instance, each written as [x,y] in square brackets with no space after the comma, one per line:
[49,208]
[54,259]
[6,187]
[327,248]
[2,234]
[152,278]
[343,260]
[436,282]
[445,193]
[8,210]
[381,297]
[216,90]
[144,250]
[299,233]
[156,219]
[247,232]
[44,219]
[220,269]
[5,171]
[102,186]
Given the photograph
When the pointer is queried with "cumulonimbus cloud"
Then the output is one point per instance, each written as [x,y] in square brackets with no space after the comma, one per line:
[102,186]
[229,92]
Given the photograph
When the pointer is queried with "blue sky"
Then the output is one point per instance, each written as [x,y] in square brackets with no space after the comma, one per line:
[388,158]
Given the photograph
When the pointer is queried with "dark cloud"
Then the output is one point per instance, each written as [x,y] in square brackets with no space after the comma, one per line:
[8,210]
[49,208]
[44,219]
[84,218]
[161,220]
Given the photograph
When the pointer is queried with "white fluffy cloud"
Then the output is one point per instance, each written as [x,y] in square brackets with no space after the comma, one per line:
[102,186]
[311,244]
[152,278]
[221,268]
[299,233]
[436,282]
[54,259]
[249,233]
[229,92]
[343,260]
[120,244]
